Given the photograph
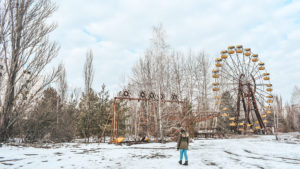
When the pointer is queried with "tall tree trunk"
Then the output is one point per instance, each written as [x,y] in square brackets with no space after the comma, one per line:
[24,47]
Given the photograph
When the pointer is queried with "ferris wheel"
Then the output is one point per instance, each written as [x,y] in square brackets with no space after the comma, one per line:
[242,89]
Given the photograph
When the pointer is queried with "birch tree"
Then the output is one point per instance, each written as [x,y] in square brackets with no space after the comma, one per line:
[163,71]
[160,51]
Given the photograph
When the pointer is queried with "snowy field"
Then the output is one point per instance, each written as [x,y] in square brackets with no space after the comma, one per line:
[257,152]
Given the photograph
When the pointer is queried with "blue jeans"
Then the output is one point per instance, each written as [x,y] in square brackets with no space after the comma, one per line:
[183,152]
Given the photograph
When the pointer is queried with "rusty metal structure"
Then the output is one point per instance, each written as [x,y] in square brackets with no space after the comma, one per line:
[203,116]
[240,75]
[182,118]
[114,129]
[142,97]
[246,96]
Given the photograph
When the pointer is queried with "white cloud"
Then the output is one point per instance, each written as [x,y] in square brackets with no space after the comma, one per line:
[119,31]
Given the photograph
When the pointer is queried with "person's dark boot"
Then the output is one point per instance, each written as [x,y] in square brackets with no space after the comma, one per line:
[180,162]
[186,163]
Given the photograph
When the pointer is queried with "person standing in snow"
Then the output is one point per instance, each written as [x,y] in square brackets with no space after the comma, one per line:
[183,145]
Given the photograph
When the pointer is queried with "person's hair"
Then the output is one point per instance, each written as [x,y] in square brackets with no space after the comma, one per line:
[182,130]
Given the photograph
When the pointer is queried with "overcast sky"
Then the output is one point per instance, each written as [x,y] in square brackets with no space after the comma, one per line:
[119,31]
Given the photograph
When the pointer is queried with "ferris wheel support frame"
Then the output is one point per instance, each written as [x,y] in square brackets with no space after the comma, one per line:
[261,123]
[241,98]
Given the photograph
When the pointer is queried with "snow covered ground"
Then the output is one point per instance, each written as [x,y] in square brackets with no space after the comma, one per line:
[256,152]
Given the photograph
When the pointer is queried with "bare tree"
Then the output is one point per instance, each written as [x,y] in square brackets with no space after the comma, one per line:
[203,80]
[295,99]
[88,71]
[278,116]
[164,72]
[74,97]
[26,51]
[62,85]
[62,89]
[295,107]
[160,52]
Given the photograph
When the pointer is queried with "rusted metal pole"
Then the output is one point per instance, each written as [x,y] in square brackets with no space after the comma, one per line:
[116,125]
[114,120]
[109,115]
[139,99]
[261,123]
[238,107]
[246,110]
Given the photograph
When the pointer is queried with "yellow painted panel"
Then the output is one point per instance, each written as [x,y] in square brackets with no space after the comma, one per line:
[119,139]
[224,108]
[231,52]
[247,53]
[215,76]
[224,114]
[224,51]
[269,89]
[224,56]
[215,70]
[232,124]
[216,89]
[218,59]
[239,51]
